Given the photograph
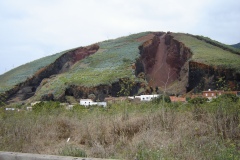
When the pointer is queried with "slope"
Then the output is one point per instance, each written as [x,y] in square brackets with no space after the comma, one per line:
[236,45]
[21,73]
[173,62]
[112,62]
[210,53]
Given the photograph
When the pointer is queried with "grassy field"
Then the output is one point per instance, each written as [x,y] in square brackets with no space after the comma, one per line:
[127,131]
[209,54]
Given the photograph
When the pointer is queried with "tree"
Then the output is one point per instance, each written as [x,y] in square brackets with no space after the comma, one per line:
[126,86]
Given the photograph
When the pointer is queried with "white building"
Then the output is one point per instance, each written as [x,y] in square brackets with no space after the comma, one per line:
[10,109]
[89,102]
[145,97]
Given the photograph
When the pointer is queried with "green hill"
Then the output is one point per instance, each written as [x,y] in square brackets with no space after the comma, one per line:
[236,45]
[107,67]
[210,52]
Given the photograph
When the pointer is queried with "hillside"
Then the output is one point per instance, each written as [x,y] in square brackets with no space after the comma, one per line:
[236,45]
[141,63]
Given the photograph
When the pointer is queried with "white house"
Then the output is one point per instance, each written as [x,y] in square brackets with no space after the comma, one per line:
[89,102]
[10,109]
[144,97]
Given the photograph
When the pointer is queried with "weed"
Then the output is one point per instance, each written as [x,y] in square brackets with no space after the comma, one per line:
[70,150]
[127,130]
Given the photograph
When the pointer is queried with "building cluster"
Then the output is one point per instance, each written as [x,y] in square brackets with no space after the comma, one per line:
[89,102]
[210,94]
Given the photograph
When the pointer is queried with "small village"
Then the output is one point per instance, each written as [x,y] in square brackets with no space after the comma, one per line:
[210,94]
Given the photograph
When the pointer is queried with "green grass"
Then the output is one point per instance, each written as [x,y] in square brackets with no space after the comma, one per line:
[218,44]
[209,54]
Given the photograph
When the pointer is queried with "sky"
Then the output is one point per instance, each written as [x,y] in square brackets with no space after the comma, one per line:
[32,29]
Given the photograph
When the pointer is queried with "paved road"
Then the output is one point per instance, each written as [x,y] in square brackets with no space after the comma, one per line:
[28,156]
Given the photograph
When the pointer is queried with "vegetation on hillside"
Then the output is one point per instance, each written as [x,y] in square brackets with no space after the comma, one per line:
[113,62]
[23,72]
[218,44]
[205,130]
[207,53]
[109,64]
[236,45]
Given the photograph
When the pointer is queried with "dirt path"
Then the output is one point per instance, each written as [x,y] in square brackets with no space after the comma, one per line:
[161,74]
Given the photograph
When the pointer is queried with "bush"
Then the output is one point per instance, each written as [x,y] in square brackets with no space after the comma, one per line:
[227,97]
[198,100]
[159,99]
[46,106]
[126,131]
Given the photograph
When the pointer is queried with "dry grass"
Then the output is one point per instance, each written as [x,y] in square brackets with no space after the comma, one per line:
[124,131]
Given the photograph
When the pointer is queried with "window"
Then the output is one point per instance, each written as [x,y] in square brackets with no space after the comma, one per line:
[206,94]
[212,94]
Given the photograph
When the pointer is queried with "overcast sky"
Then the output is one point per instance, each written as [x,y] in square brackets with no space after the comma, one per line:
[31,29]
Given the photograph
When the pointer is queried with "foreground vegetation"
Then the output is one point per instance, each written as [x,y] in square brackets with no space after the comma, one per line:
[154,130]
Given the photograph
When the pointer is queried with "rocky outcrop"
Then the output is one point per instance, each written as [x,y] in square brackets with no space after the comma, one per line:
[101,91]
[164,61]
[169,66]
[204,77]
[148,51]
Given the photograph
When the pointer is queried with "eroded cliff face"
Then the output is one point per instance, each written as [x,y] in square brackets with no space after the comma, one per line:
[27,89]
[101,91]
[204,77]
[164,62]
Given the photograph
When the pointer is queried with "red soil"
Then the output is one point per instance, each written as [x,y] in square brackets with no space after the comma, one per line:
[161,74]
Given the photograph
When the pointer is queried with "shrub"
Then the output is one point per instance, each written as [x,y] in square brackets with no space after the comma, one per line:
[198,100]
[46,106]
[227,97]
[162,98]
